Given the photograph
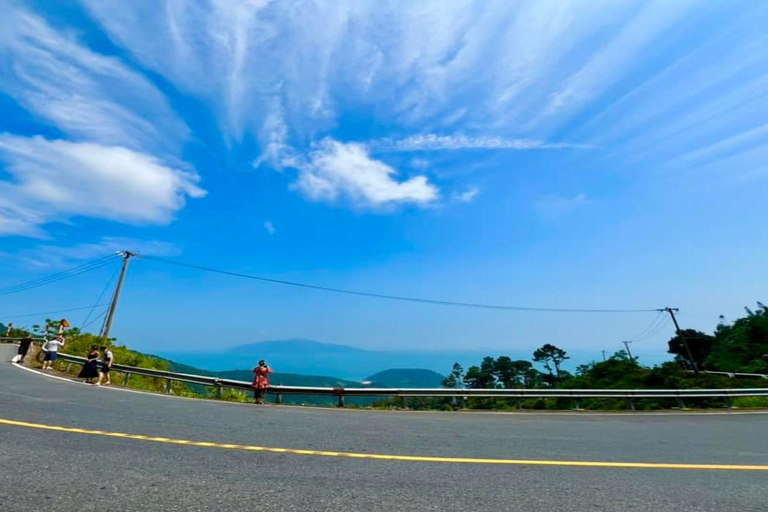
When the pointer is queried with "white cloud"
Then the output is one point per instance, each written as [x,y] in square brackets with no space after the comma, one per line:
[420,163]
[54,256]
[553,206]
[53,180]
[433,142]
[86,95]
[335,170]
[269,227]
[467,196]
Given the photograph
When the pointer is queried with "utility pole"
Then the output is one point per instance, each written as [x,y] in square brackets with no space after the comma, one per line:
[127,255]
[680,333]
[603,351]
[629,352]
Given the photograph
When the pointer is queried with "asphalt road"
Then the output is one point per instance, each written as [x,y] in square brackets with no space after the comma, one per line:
[52,471]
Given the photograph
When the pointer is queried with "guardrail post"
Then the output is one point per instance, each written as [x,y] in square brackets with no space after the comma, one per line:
[340,393]
[519,403]
[168,387]
[279,398]
[575,404]
[219,390]
[125,379]
[69,367]
[729,402]
[463,402]
[680,404]
[630,403]
[404,400]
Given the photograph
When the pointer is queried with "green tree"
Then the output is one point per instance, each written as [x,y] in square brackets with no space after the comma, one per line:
[699,343]
[481,377]
[743,345]
[514,373]
[551,357]
[455,379]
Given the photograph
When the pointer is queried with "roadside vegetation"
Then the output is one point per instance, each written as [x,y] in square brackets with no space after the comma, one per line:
[738,347]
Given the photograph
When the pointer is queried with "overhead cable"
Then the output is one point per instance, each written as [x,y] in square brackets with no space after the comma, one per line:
[13,317]
[395,297]
[59,276]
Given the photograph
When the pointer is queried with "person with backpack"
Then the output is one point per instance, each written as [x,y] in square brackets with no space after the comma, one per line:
[261,381]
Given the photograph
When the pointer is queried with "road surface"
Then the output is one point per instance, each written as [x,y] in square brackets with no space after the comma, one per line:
[84,467]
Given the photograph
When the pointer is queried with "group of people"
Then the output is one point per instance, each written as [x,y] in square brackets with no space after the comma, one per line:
[97,365]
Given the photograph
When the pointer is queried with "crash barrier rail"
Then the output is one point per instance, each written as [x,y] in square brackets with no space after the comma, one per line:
[732,375]
[462,394]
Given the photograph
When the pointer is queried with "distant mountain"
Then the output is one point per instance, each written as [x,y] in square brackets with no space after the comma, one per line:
[308,357]
[406,378]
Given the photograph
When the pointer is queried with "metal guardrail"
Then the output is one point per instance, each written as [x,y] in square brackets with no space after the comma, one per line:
[733,375]
[574,394]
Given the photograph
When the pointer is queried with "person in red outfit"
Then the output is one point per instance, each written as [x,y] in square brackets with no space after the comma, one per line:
[261,381]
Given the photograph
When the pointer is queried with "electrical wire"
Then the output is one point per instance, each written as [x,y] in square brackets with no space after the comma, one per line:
[656,330]
[396,297]
[14,317]
[59,276]
[648,327]
[101,295]
[100,316]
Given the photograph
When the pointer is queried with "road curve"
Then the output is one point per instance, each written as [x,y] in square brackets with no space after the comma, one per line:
[43,469]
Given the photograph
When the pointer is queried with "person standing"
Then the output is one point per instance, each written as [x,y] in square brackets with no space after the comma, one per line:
[90,369]
[107,358]
[51,349]
[261,381]
[24,345]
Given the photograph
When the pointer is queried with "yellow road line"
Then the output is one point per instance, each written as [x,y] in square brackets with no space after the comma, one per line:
[373,456]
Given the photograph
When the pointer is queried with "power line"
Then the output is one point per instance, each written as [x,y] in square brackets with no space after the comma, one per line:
[663,324]
[95,319]
[59,276]
[13,317]
[101,296]
[648,327]
[396,297]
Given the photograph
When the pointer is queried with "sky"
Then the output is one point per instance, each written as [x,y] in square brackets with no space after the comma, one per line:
[561,154]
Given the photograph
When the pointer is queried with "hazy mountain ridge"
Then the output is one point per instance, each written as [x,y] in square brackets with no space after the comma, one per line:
[309,357]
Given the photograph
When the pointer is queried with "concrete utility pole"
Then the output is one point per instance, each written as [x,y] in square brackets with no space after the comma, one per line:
[629,352]
[680,333]
[127,255]
[603,351]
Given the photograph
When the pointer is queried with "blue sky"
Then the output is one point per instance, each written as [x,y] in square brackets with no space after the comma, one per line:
[543,153]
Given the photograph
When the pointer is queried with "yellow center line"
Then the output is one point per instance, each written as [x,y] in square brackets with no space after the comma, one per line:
[373,456]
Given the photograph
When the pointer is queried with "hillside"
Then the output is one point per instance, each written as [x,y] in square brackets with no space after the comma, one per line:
[406,378]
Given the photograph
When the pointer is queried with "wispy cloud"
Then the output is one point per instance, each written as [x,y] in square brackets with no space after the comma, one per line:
[48,256]
[336,170]
[84,94]
[467,196]
[433,142]
[269,227]
[552,206]
[53,180]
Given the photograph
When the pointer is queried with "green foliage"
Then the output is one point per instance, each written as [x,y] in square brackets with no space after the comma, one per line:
[699,344]
[551,356]
[743,345]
